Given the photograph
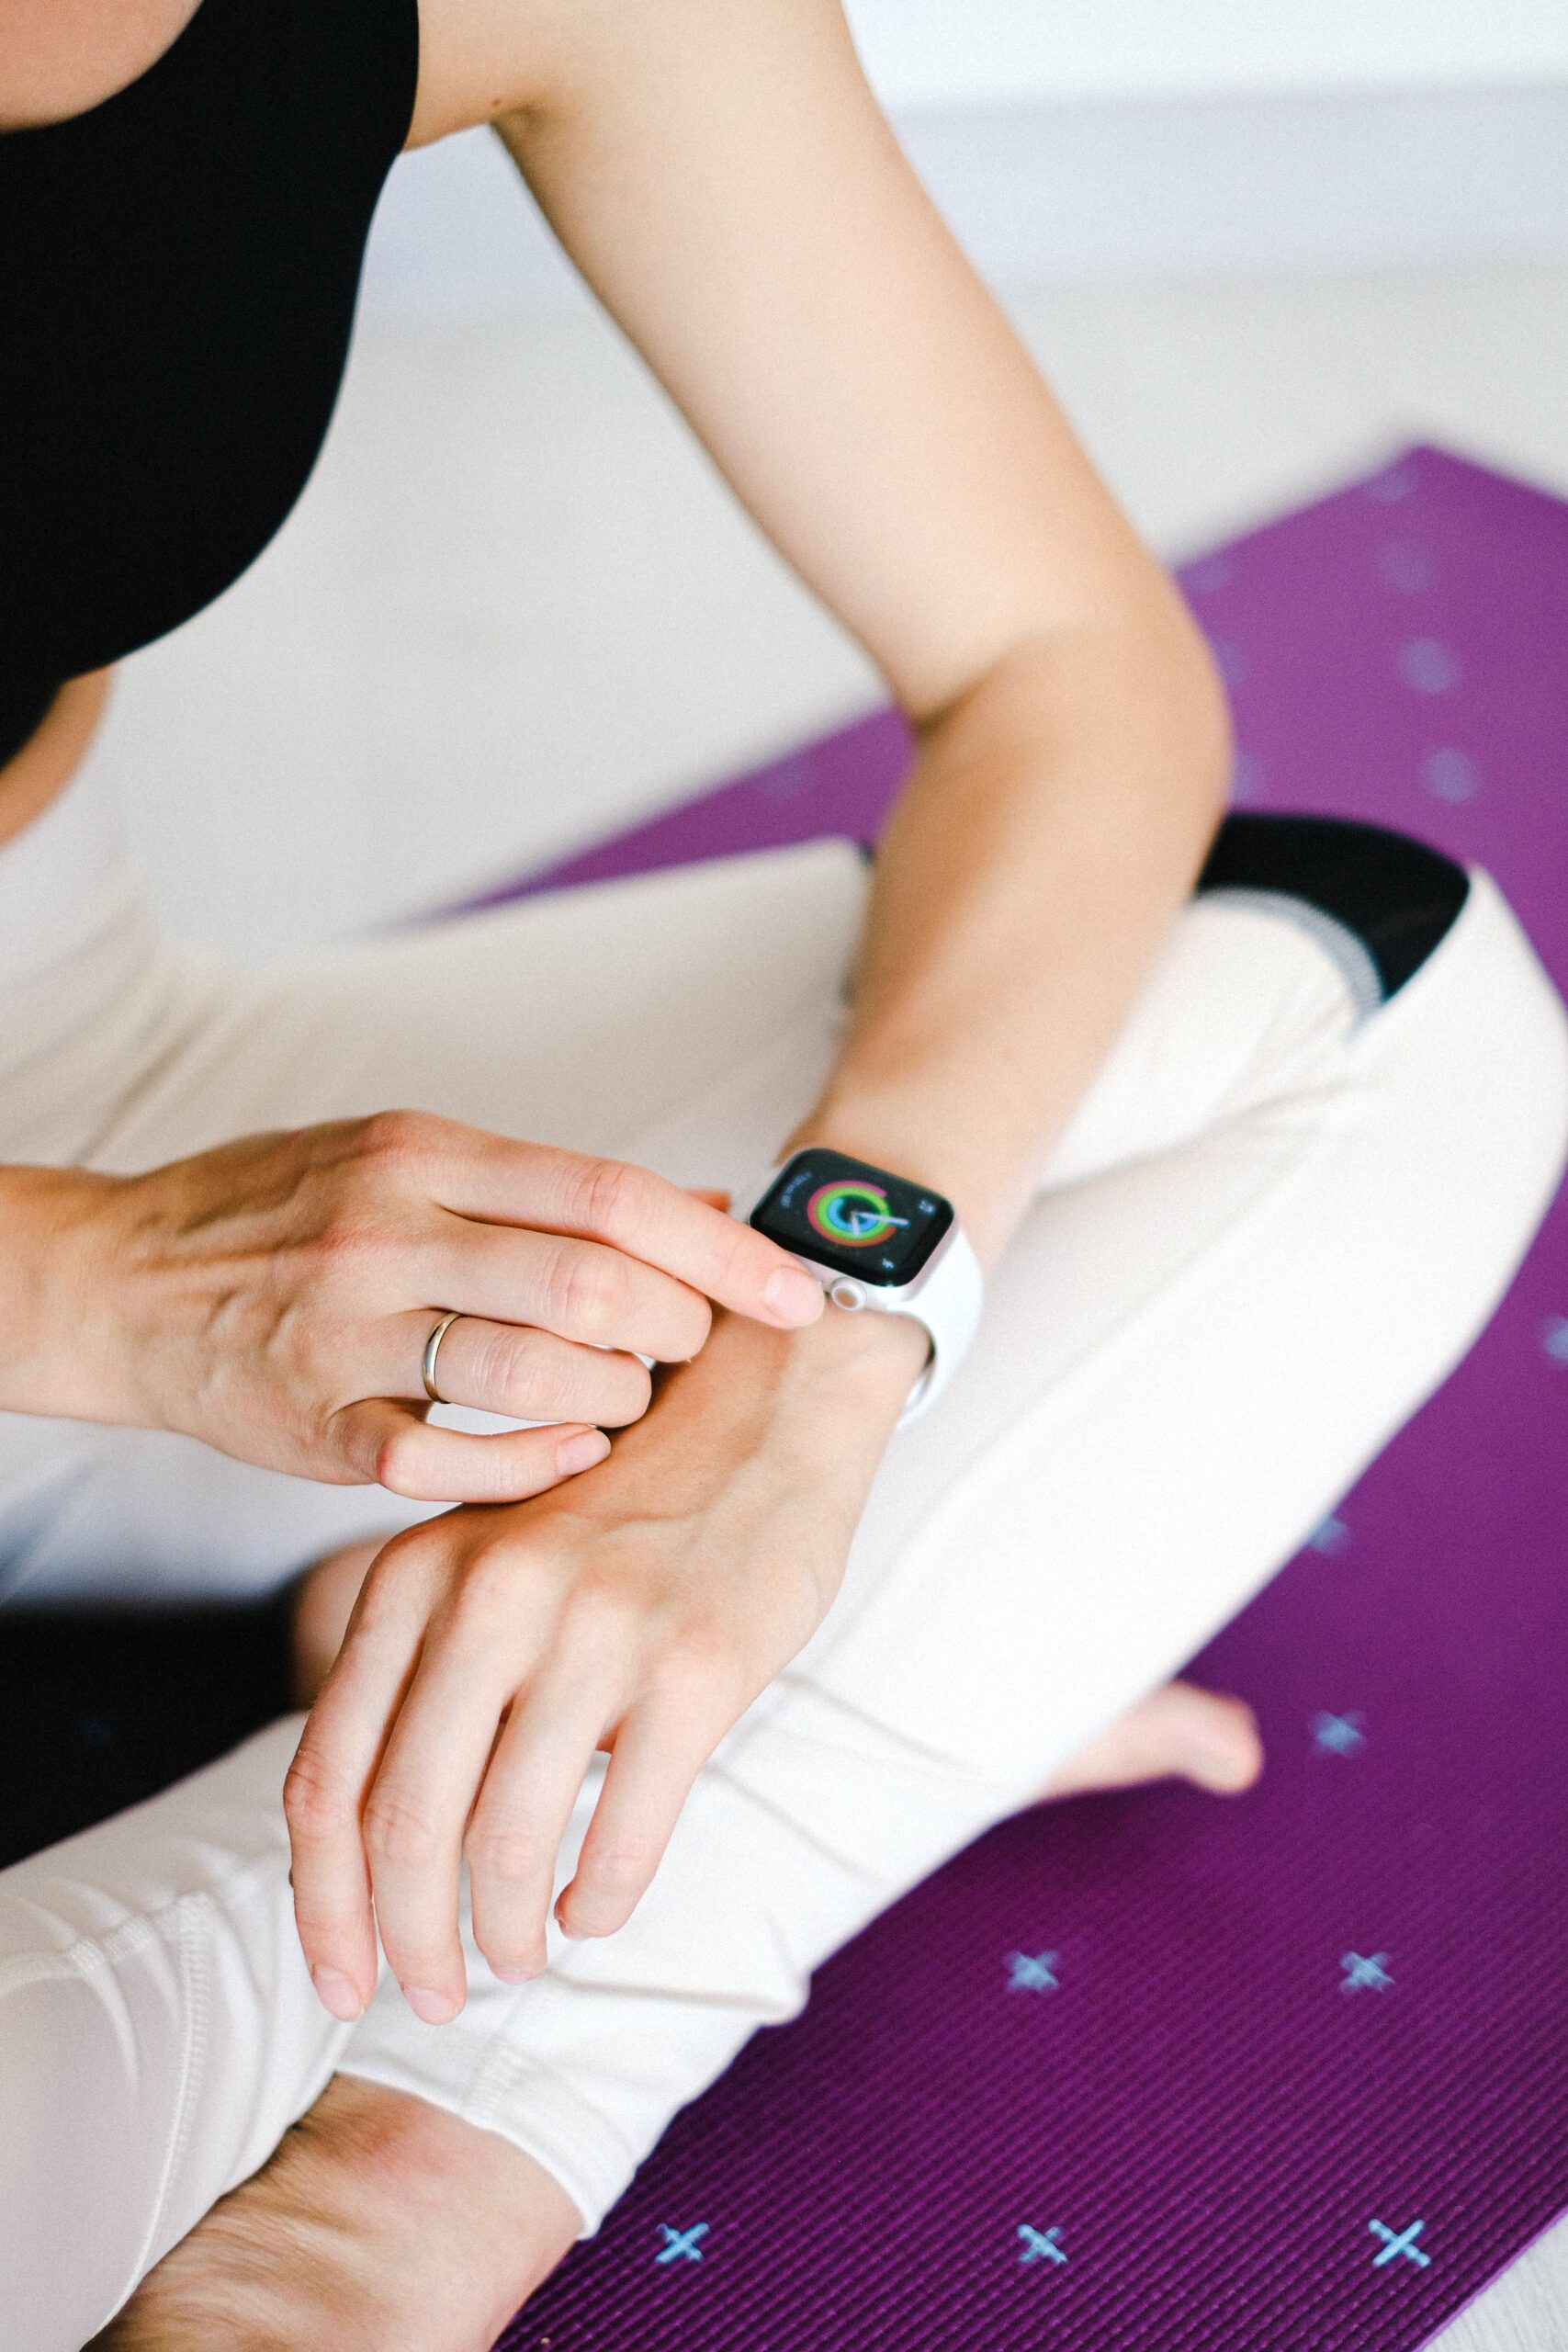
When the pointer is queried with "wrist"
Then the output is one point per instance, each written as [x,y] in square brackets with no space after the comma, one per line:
[986,1177]
[856,1368]
[54,1277]
[835,1389]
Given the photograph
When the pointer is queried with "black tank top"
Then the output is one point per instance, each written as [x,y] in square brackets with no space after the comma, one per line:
[178,269]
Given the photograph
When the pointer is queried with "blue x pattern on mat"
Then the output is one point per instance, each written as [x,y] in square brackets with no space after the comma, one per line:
[1365,1973]
[681,2246]
[1033,1971]
[1399,2242]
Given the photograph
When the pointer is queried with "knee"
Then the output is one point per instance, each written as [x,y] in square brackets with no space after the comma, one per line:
[1516,1029]
[73,2190]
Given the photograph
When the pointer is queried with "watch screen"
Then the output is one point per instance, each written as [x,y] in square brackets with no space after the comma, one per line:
[841,1213]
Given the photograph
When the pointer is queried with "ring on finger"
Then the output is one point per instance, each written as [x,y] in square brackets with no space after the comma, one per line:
[432,1349]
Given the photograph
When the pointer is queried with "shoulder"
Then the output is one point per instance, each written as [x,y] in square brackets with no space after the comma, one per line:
[60,57]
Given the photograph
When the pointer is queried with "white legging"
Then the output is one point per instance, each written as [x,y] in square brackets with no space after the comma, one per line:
[1275,1223]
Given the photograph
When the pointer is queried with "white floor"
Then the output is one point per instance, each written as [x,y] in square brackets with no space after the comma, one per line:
[516,609]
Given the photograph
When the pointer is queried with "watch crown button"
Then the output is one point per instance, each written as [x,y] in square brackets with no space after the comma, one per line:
[848,1294]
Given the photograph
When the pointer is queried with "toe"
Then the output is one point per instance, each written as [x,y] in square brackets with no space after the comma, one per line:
[1178,1732]
[1221,1746]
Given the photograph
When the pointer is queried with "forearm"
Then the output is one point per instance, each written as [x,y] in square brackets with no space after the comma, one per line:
[1054,823]
[46,1281]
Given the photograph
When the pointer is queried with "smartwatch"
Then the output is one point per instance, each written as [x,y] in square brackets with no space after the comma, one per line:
[876,1242]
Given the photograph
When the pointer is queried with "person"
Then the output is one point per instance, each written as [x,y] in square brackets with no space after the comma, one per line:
[645,1692]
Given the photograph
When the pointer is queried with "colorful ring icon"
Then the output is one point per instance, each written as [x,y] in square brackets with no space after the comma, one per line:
[851,1213]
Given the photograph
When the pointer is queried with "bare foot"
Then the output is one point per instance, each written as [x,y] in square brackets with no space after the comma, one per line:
[1176,1733]
[384,2224]
[380,2225]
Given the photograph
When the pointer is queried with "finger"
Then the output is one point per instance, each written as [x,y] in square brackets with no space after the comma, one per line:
[513,1368]
[390,1445]
[476,1659]
[581,1290]
[334,1767]
[652,1769]
[639,1213]
[522,1816]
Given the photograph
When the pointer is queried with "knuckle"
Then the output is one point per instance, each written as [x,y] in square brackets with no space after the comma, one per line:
[510,1589]
[392,1139]
[513,1365]
[404,1562]
[396,1578]
[351,1238]
[622,1870]
[408,1552]
[609,1194]
[492,1581]
[505,1851]
[583,1293]
[398,1832]
[397,1459]
[314,1807]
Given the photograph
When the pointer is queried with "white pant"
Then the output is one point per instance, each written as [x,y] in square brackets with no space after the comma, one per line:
[1272,1227]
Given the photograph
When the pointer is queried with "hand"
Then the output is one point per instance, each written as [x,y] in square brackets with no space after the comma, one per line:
[274,1298]
[640,1610]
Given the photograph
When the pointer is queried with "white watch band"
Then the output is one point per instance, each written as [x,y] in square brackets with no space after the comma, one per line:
[946,1296]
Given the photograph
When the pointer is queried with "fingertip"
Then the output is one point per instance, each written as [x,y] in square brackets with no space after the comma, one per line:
[518,1960]
[581,1930]
[517,1972]
[337,1993]
[431,2005]
[581,1451]
[571,1928]
[794,1297]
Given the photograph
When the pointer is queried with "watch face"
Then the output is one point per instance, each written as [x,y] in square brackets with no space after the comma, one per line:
[859,1220]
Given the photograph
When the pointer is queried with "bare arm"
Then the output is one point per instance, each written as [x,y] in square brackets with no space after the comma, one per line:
[720,173]
[723,177]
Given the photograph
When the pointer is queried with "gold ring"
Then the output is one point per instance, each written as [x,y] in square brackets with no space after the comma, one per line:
[432,1349]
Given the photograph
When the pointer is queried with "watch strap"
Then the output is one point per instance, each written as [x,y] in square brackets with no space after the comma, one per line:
[946,1299]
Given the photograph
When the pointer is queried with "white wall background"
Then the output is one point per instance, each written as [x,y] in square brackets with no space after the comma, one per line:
[1074,139]
[945,52]
[1069,190]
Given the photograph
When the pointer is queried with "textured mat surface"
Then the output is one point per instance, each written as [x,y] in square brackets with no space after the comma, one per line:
[1152,2071]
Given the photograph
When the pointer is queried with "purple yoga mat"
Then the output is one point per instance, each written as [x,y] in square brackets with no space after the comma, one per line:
[1151,2071]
